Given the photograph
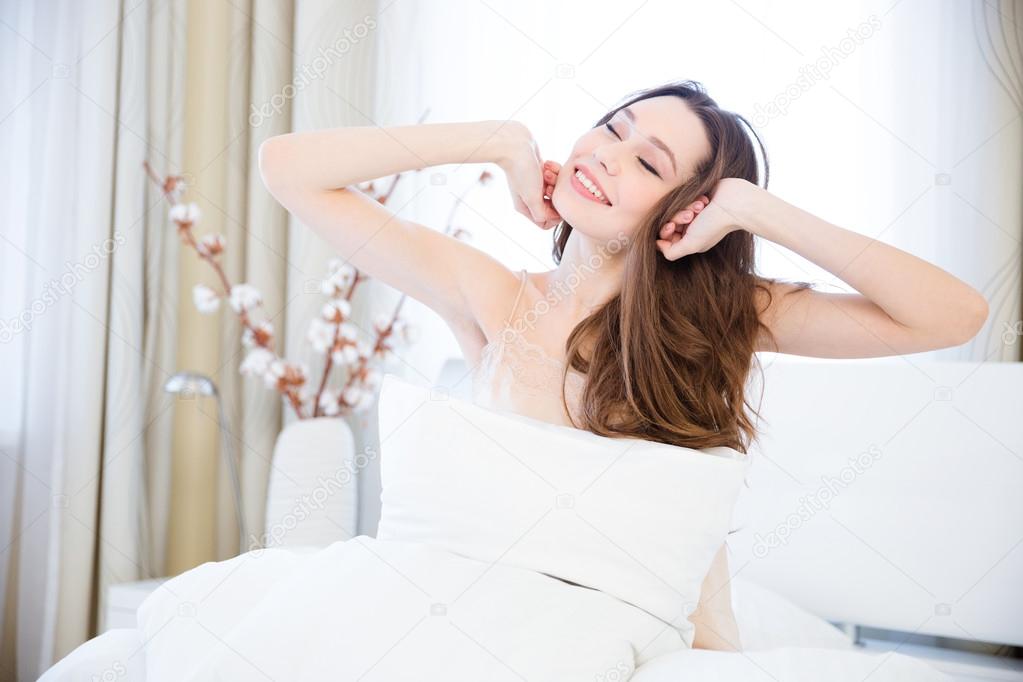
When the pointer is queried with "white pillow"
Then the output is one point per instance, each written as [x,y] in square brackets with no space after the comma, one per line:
[767,620]
[636,519]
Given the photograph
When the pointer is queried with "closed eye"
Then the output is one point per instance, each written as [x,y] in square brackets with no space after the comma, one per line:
[641,161]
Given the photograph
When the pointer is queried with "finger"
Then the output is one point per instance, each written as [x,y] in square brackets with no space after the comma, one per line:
[538,211]
[667,230]
[552,217]
[684,216]
[672,251]
[666,250]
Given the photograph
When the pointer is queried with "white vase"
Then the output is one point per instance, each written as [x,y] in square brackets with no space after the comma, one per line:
[312,496]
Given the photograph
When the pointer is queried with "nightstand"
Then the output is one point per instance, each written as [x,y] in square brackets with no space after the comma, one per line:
[123,599]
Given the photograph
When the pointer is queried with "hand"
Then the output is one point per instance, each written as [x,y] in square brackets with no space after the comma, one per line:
[527,175]
[551,169]
[703,223]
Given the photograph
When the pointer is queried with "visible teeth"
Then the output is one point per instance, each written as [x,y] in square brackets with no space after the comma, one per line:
[590,186]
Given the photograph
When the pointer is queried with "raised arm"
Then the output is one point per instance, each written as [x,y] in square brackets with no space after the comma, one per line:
[904,304]
[313,174]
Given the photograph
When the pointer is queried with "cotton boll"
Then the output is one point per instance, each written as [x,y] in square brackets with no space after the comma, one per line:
[338,281]
[381,322]
[281,372]
[352,394]
[337,310]
[262,336]
[274,373]
[344,356]
[185,213]
[366,400]
[329,402]
[321,334]
[333,265]
[405,332]
[245,297]
[206,300]
[211,244]
[257,362]
[349,332]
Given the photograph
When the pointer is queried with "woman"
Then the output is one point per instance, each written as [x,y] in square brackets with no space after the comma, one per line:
[649,324]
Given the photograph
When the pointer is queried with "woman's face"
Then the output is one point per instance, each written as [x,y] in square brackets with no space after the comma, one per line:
[644,151]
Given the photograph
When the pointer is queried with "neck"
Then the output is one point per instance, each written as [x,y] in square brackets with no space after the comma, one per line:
[589,274]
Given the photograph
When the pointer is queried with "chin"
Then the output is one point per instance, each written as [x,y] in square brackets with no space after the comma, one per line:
[591,221]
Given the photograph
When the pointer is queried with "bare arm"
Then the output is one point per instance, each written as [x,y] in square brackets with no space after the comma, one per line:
[714,619]
[313,175]
[904,305]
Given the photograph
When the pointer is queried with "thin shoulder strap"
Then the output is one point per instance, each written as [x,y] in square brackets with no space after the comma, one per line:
[522,286]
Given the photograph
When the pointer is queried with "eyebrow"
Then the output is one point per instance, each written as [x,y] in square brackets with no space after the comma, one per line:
[656,140]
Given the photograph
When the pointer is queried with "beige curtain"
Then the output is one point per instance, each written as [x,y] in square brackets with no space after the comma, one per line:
[257,68]
[239,56]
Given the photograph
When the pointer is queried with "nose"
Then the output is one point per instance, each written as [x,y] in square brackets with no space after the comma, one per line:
[605,157]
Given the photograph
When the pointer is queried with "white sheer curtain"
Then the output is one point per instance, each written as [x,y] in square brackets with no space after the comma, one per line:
[82,255]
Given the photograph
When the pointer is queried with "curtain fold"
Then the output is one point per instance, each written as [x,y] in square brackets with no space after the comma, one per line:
[256,227]
[94,256]
[335,85]
[998,32]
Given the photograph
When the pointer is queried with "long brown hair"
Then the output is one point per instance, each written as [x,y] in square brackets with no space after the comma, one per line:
[672,351]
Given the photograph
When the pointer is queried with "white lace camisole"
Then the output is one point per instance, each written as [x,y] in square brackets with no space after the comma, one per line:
[520,376]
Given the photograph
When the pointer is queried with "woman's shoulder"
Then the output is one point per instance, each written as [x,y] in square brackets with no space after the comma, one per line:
[490,306]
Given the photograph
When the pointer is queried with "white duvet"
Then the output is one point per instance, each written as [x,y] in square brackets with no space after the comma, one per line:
[369,609]
[508,549]
[782,643]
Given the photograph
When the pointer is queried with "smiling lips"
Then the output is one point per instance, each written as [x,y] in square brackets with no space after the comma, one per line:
[588,187]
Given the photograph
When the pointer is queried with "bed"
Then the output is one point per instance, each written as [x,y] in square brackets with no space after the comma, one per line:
[883,495]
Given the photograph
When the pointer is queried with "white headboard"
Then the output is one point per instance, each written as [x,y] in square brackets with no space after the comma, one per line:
[885,493]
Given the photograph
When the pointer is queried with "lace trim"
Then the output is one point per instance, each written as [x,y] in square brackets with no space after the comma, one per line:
[531,367]
[512,367]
